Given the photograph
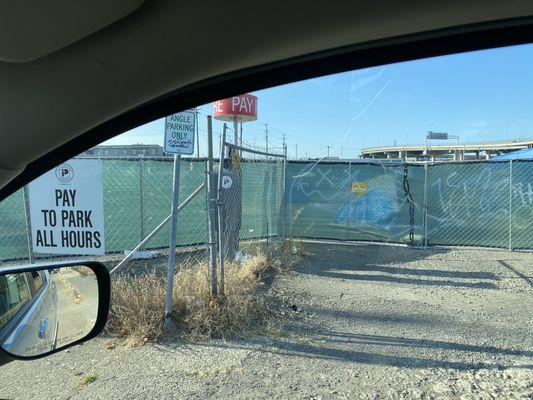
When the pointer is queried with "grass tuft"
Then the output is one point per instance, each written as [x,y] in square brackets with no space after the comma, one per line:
[137,302]
[88,379]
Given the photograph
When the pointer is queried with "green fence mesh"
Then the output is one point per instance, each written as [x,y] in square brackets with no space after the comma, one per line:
[464,203]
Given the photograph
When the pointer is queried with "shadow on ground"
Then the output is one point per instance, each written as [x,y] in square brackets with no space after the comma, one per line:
[351,262]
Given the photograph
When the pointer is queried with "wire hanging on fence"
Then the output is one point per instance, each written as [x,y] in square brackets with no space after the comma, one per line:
[409,198]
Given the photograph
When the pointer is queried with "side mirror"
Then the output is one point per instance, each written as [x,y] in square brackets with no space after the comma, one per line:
[46,308]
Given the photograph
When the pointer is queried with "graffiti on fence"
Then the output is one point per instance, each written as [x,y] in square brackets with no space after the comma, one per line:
[462,195]
[368,197]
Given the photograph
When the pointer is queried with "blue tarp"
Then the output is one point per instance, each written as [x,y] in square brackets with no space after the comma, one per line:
[523,154]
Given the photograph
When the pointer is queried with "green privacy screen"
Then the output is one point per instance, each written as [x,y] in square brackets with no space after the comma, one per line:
[355,201]
[137,198]
[468,203]
[462,204]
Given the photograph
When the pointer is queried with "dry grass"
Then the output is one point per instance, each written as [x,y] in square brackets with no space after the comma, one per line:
[137,305]
[138,302]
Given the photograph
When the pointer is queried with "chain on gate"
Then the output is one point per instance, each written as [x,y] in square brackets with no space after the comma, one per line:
[409,198]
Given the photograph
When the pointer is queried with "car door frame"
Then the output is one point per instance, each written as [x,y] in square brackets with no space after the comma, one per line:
[452,40]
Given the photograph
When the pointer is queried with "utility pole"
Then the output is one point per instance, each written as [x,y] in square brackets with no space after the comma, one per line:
[296,148]
[266,137]
[283,140]
[342,149]
[328,151]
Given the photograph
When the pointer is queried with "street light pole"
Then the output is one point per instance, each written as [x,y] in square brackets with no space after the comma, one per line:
[507,131]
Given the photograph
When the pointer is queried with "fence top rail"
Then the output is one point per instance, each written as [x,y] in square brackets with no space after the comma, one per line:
[247,150]
[409,163]
[351,162]
[145,158]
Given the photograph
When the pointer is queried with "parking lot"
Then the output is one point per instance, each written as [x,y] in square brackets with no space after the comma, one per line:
[354,321]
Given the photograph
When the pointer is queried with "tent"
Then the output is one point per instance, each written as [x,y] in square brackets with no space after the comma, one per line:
[522,154]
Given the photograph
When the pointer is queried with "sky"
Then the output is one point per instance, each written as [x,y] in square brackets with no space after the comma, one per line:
[479,96]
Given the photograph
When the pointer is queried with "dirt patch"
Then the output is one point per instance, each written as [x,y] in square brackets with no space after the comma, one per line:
[359,322]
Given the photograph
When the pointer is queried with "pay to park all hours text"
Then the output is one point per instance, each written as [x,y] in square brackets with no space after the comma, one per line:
[67,219]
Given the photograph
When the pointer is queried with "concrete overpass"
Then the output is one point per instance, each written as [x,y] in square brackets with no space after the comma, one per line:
[454,151]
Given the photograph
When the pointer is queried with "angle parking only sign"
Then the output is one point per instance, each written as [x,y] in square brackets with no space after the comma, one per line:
[67,209]
[179,133]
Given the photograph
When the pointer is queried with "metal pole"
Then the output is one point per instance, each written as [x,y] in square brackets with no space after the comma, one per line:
[235,130]
[221,209]
[169,325]
[266,203]
[266,137]
[26,200]
[296,148]
[196,112]
[240,139]
[510,205]
[284,196]
[212,204]
[347,227]
[425,206]
[141,196]
[157,228]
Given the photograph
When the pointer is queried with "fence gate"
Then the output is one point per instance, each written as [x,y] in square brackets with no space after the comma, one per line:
[250,201]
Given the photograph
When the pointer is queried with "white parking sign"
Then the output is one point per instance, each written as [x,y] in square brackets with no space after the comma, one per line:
[179,133]
[67,209]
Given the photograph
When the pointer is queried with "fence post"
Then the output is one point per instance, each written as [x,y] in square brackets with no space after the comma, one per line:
[425,206]
[212,203]
[169,325]
[220,208]
[267,184]
[141,195]
[26,200]
[347,225]
[510,205]
[284,196]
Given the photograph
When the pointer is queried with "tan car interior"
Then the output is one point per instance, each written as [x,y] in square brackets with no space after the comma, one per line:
[67,66]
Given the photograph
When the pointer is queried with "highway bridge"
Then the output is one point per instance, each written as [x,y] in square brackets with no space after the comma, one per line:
[449,151]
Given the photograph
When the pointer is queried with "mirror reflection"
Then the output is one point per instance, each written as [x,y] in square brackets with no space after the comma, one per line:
[46,309]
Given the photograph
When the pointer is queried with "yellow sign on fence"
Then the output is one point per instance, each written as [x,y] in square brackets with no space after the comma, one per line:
[359,187]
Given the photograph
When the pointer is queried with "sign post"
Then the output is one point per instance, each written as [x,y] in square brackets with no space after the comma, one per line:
[67,209]
[179,139]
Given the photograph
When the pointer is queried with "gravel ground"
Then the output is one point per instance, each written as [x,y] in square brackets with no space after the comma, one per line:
[359,321]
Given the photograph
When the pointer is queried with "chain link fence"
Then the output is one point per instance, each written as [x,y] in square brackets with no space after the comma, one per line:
[253,201]
[355,201]
[483,204]
[137,198]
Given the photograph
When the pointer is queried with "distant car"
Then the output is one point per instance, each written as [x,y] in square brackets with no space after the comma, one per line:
[28,310]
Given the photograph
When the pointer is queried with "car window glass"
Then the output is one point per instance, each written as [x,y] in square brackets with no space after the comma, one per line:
[14,293]
[340,225]
[37,279]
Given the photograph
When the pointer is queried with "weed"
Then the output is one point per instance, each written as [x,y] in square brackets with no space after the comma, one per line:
[88,379]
